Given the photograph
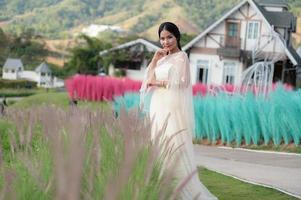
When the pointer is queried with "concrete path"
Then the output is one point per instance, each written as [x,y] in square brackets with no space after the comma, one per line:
[281,171]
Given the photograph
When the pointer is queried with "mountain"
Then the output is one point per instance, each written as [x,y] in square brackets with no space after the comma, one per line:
[56,18]
[62,18]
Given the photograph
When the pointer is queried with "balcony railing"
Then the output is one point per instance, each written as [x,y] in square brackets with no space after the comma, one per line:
[230,47]
[232,42]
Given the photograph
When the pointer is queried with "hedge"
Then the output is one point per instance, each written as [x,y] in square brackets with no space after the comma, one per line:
[17,84]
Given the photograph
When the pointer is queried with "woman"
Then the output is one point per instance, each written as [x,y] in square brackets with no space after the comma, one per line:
[168,79]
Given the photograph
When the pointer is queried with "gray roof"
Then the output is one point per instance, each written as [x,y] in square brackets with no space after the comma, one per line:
[43,67]
[151,46]
[280,19]
[274,3]
[156,43]
[295,55]
[299,51]
[12,63]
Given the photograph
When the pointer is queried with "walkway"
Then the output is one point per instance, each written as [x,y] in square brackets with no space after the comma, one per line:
[281,171]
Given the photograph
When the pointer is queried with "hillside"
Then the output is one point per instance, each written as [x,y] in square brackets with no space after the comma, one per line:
[139,16]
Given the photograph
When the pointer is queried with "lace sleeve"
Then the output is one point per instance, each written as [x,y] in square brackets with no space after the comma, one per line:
[180,89]
[145,92]
[148,75]
[179,75]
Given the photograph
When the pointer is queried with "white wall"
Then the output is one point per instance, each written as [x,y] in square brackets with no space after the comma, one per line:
[57,82]
[216,68]
[9,75]
[135,74]
[211,42]
[30,75]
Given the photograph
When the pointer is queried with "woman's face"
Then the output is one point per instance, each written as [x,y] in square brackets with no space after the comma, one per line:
[168,41]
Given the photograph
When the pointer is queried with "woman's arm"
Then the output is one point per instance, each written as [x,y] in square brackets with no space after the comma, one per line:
[151,81]
[157,83]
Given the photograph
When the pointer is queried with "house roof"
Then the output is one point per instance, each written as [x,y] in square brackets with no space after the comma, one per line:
[295,55]
[266,16]
[43,67]
[280,19]
[274,3]
[152,46]
[299,51]
[12,63]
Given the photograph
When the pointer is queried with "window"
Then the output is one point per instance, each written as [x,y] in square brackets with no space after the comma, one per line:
[203,71]
[232,29]
[229,73]
[253,30]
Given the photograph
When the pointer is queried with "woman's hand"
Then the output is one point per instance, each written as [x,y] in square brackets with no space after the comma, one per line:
[158,55]
[150,83]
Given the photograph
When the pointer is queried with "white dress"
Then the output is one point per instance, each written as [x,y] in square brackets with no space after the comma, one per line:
[175,103]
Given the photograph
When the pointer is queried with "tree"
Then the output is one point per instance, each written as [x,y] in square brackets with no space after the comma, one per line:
[31,51]
[185,38]
[85,59]
[4,47]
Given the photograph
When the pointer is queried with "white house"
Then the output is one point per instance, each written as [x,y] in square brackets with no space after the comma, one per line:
[12,69]
[44,75]
[225,49]
[137,60]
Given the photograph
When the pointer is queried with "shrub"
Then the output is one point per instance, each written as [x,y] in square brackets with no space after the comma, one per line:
[17,84]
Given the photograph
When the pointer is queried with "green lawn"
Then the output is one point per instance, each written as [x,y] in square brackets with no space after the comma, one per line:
[54,98]
[22,92]
[227,188]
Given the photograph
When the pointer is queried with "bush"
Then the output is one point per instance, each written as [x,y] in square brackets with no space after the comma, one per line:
[17,84]
[17,92]
[120,72]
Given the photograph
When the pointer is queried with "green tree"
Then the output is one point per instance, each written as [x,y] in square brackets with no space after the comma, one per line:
[185,38]
[25,46]
[85,59]
[3,47]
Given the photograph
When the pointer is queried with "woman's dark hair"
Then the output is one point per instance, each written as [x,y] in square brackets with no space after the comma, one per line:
[173,29]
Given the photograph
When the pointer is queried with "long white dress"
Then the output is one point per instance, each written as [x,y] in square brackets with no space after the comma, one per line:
[175,103]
